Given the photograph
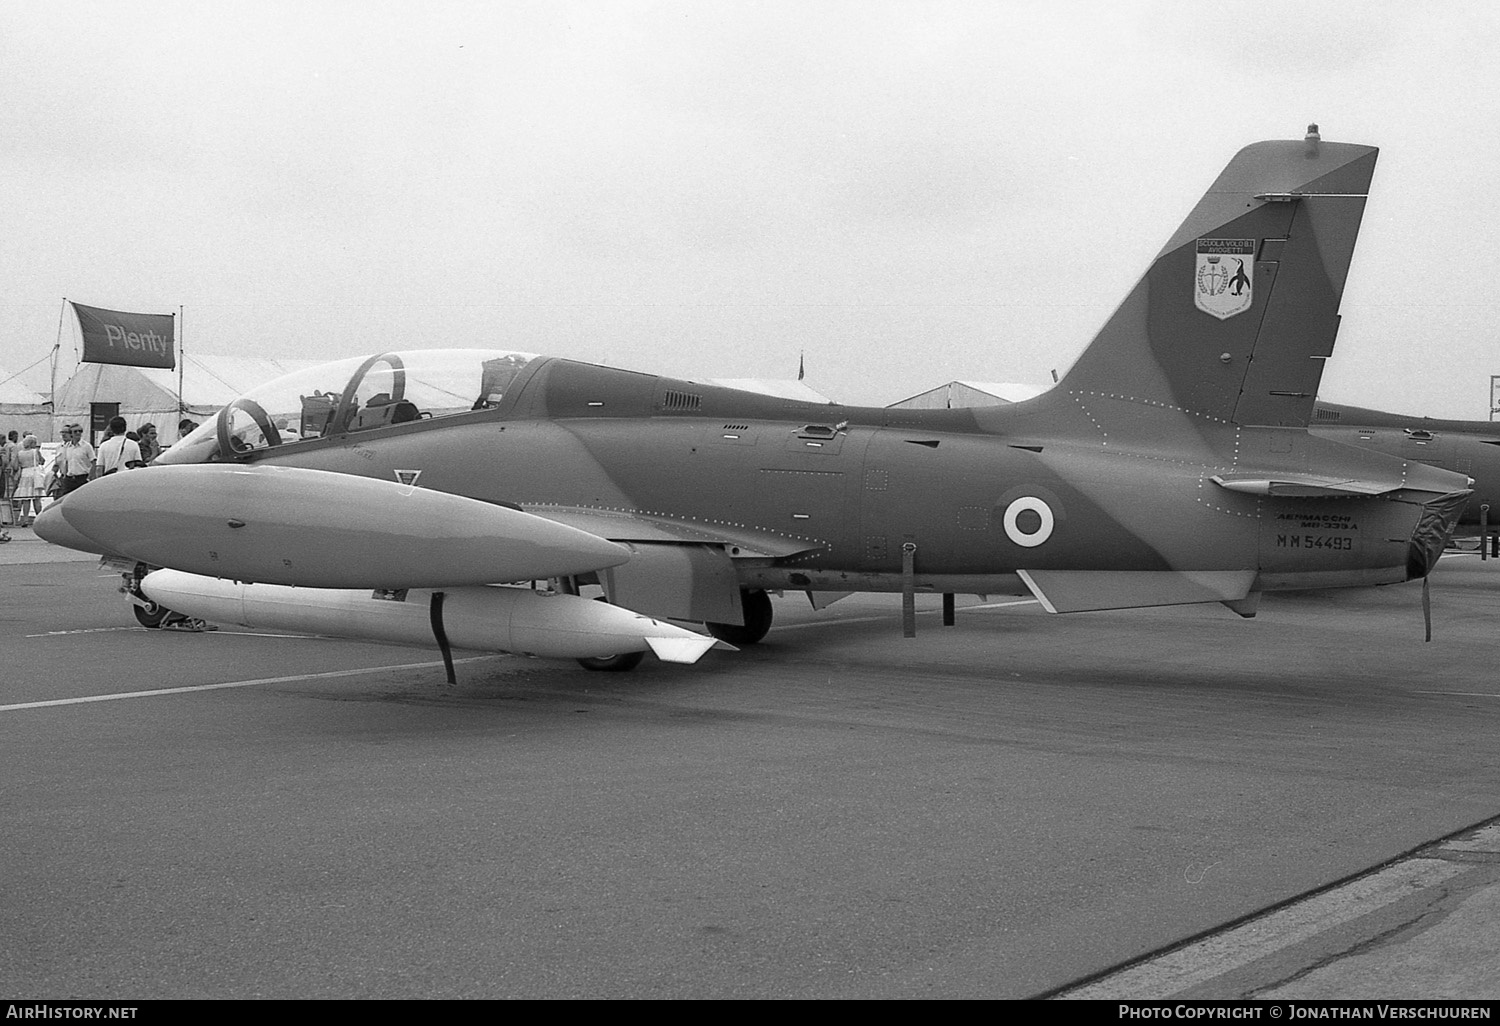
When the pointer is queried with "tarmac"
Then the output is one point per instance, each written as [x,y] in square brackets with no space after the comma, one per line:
[28,548]
[1168,804]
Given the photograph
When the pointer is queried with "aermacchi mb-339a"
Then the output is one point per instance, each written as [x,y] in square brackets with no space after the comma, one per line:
[466,496]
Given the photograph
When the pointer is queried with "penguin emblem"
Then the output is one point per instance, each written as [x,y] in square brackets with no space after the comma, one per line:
[1240,282]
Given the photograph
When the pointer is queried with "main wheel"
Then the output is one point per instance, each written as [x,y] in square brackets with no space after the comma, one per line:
[150,615]
[613,663]
[758,614]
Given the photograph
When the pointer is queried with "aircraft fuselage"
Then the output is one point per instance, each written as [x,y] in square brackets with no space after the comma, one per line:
[834,493]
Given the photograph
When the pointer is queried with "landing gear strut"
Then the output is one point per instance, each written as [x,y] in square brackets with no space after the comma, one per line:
[147,613]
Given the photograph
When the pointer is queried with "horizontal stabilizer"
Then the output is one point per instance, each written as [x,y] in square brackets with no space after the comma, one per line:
[1303,485]
[1077,591]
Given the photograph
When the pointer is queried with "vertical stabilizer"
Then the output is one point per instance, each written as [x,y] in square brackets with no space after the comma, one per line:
[1238,312]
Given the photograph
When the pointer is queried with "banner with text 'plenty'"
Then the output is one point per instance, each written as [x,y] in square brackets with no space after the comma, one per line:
[139,340]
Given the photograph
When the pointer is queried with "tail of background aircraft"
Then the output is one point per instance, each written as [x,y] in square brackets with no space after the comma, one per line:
[1238,312]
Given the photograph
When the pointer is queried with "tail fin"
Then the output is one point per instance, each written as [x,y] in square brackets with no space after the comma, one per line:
[1238,312]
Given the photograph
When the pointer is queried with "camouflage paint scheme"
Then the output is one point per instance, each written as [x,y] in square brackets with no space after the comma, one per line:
[1172,464]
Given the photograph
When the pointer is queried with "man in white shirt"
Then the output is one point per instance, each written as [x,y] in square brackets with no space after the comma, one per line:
[117,452]
[75,460]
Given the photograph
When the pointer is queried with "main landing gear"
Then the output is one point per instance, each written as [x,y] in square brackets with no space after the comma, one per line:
[758,615]
[757,606]
[624,662]
[621,663]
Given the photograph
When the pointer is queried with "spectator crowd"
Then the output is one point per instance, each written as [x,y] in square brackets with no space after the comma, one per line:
[29,479]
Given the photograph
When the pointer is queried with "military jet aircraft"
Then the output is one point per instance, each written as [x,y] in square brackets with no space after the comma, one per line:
[468,496]
[1470,447]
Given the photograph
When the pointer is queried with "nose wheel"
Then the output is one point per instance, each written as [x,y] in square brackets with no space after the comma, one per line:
[147,613]
[150,614]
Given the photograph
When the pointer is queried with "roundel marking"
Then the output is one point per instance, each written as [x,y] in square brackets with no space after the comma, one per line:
[1028,539]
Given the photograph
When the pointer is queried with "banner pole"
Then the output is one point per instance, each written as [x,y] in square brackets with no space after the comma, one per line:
[181,359]
[56,350]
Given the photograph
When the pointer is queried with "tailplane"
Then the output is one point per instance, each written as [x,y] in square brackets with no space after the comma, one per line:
[1236,315]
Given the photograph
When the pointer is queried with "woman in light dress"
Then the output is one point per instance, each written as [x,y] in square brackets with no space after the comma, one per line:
[30,488]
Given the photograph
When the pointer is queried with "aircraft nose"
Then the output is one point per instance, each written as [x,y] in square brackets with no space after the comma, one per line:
[52,528]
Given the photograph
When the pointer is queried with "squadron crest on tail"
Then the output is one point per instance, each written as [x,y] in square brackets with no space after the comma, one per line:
[1219,289]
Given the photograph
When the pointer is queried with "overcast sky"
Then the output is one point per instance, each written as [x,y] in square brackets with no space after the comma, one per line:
[909,192]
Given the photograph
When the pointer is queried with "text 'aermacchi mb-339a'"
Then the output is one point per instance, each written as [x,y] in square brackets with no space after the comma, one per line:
[467,495]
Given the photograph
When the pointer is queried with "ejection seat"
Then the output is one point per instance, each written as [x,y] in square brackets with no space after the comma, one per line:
[381,410]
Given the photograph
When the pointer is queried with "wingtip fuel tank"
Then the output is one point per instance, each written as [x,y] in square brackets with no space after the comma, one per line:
[51,527]
[312,528]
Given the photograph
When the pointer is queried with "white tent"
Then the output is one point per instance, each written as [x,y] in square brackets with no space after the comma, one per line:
[21,409]
[150,394]
[962,394]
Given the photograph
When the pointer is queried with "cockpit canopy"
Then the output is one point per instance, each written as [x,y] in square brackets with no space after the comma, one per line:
[353,395]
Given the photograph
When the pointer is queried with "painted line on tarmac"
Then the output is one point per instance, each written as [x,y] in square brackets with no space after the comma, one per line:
[893,616]
[233,684]
[1188,966]
[219,631]
[262,634]
[83,630]
[1461,694]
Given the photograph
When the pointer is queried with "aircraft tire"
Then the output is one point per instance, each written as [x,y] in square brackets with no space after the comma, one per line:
[622,663]
[758,616]
[150,615]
